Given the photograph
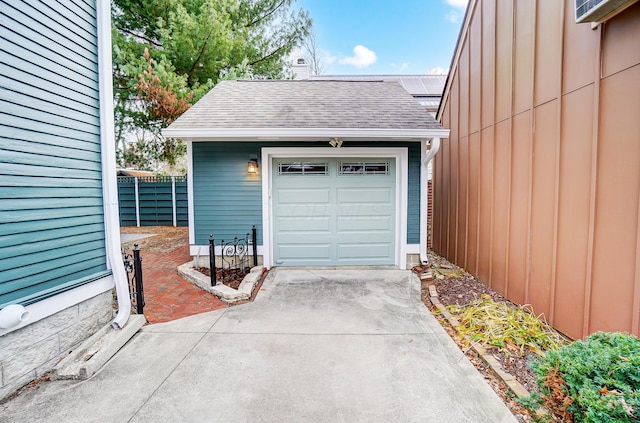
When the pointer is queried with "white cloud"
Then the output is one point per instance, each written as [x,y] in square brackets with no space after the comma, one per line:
[437,70]
[460,4]
[452,16]
[362,57]
[328,57]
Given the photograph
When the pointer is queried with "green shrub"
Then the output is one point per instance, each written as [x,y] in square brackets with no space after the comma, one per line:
[597,380]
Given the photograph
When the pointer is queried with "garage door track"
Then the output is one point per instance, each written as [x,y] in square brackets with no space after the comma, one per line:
[316,346]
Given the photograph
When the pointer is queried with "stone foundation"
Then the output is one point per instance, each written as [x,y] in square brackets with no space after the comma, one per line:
[29,352]
[413,260]
[203,261]
[225,293]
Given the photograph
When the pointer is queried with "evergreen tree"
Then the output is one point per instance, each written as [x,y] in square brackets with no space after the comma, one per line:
[168,53]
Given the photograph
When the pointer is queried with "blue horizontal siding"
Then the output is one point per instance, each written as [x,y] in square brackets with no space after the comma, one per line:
[12,134]
[88,161]
[48,124]
[69,230]
[227,201]
[10,193]
[24,76]
[31,147]
[49,255]
[72,32]
[413,200]
[79,125]
[43,229]
[52,234]
[62,274]
[11,169]
[44,212]
[39,93]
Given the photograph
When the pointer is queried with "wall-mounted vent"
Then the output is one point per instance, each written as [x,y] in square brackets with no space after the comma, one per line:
[599,10]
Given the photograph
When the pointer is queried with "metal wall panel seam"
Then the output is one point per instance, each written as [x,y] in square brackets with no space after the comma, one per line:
[468,130]
[556,198]
[586,324]
[456,159]
[635,310]
[493,139]
[476,265]
[511,137]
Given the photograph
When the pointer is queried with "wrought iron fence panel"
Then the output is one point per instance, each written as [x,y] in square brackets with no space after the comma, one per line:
[133,266]
[231,260]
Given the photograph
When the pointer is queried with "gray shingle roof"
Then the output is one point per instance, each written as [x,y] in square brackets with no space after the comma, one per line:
[416,85]
[306,104]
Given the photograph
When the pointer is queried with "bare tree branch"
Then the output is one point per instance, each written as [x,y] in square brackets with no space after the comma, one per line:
[315,56]
[266,15]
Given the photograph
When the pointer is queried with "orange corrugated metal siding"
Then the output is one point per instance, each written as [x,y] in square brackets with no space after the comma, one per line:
[537,190]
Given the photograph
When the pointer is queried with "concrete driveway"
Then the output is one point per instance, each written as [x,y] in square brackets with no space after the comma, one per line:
[315,346]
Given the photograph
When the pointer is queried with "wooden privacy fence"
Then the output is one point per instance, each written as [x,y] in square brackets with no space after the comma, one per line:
[153,201]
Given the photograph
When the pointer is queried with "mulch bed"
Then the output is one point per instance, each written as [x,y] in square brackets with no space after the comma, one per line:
[225,276]
[165,240]
[456,287]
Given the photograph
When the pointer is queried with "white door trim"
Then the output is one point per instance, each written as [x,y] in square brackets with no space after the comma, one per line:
[401,156]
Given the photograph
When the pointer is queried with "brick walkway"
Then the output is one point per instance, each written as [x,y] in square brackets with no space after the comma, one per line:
[168,296]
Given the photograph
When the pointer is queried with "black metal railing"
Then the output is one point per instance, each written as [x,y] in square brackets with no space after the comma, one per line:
[133,266]
[232,260]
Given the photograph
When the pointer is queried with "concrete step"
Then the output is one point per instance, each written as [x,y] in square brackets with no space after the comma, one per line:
[92,354]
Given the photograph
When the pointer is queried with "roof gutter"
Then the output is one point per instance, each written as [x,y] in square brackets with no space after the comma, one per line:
[284,134]
[108,149]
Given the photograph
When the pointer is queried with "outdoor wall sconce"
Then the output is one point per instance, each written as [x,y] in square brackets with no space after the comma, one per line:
[252,166]
[336,142]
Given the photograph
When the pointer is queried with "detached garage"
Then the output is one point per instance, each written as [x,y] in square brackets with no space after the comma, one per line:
[330,172]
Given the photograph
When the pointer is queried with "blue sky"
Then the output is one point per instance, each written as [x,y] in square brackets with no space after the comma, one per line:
[386,36]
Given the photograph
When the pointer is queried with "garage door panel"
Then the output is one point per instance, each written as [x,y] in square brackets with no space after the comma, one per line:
[304,195]
[364,195]
[365,224]
[333,219]
[302,211]
[304,224]
[361,251]
[366,209]
[309,253]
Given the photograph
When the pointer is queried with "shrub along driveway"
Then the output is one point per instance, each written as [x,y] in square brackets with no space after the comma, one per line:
[315,346]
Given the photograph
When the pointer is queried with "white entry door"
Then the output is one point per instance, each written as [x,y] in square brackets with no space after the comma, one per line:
[334,211]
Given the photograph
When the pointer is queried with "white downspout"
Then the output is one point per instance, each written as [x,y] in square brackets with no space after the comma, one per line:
[109,180]
[427,156]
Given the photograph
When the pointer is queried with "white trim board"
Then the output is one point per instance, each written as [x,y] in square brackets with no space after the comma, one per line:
[190,213]
[297,134]
[400,154]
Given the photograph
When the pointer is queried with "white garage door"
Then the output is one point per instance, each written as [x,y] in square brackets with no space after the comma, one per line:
[334,212]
